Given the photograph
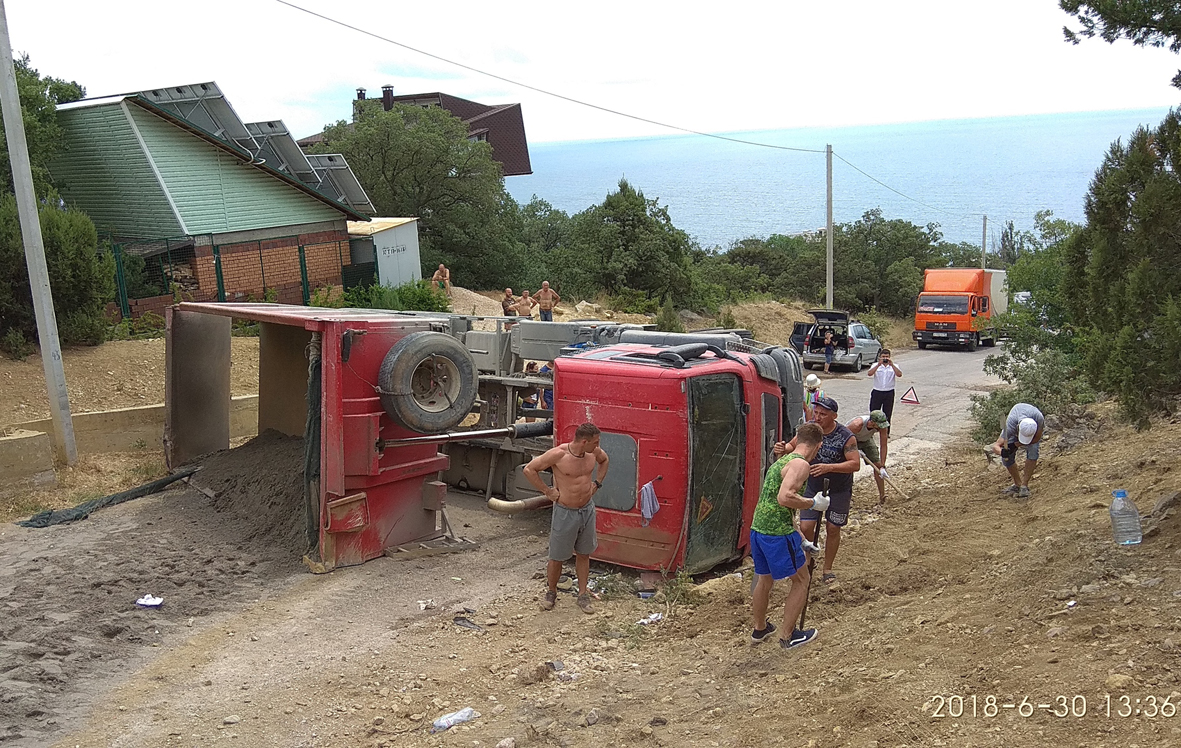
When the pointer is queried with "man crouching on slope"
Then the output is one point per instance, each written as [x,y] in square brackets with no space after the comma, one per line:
[572,529]
[776,546]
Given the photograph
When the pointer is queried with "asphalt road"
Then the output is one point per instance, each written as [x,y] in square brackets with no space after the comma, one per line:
[943,380]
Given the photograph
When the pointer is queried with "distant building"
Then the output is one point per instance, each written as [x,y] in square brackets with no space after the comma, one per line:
[215,207]
[502,126]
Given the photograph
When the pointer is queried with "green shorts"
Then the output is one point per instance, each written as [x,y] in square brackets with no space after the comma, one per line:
[870,448]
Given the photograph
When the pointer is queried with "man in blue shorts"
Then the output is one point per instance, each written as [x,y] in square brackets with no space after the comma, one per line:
[776,547]
[836,461]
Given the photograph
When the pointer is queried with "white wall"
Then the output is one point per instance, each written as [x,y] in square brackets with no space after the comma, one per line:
[397,255]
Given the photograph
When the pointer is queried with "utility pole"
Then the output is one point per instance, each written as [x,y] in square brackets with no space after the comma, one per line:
[26,204]
[984,246]
[828,231]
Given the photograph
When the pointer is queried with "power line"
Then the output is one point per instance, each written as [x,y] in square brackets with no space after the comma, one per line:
[902,194]
[616,112]
[542,90]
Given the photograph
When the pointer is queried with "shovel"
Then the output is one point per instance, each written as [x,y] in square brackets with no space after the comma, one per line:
[875,469]
[812,562]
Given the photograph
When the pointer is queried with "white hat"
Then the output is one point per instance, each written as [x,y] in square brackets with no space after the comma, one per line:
[812,382]
[1026,430]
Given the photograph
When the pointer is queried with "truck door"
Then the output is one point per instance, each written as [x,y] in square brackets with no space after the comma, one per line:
[717,443]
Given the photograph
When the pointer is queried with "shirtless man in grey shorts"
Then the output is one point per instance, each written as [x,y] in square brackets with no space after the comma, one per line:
[572,529]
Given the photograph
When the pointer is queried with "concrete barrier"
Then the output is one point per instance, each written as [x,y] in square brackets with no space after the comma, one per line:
[26,449]
[127,429]
[26,460]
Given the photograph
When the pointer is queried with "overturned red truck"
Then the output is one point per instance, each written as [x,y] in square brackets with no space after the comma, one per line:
[374,393]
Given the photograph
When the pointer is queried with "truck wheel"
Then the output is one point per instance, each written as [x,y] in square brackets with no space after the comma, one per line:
[990,342]
[427,382]
[922,345]
[971,344]
[857,364]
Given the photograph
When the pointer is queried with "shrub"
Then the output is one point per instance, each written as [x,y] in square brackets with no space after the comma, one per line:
[878,323]
[409,297]
[15,345]
[727,319]
[327,297]
[631,301]
[81,278]
[667,320]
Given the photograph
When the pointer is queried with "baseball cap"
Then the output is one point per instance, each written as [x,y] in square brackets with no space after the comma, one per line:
[827,403]
[812,382]
[879,418]
[1026,430]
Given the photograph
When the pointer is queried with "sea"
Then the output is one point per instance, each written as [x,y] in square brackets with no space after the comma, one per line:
[948,172]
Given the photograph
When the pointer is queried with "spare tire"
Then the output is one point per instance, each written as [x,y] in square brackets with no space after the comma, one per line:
[427,382]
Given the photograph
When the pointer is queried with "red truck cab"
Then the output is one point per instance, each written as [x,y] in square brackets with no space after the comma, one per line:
[698,423]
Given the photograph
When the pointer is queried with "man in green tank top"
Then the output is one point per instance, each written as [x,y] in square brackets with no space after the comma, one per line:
[775,546]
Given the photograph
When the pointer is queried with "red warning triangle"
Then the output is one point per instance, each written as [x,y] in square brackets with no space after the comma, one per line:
[911,397]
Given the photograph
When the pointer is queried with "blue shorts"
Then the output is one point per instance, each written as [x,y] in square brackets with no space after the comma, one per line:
[547,315]
[1031,453]
[781,556]
[828,355]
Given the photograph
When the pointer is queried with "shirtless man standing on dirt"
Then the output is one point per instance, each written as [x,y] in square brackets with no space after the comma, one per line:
[525,305]
[547,299]
[572,529]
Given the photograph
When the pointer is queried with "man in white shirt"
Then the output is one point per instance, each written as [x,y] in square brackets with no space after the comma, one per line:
[884,372]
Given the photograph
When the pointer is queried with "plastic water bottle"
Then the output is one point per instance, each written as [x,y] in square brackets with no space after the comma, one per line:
[1125,519]
[447,721]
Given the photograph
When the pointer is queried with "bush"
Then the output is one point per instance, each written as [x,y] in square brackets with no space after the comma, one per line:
[148,325]
[410,297]
[15,345]
[81,278]
[727,319]
[328,297]
[667,320]
[878,323]
[631,301]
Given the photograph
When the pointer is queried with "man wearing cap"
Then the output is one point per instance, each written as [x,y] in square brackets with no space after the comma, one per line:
[1023,429]
[837,461]
[812,393]
[865,429]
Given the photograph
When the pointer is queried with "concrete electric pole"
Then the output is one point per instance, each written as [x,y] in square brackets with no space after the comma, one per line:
[828,230]
[984,246]
[26,203]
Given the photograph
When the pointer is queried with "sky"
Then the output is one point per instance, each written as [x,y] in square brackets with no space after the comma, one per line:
[740,66]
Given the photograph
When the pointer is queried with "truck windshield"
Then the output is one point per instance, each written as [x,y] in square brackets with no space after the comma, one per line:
[943,304]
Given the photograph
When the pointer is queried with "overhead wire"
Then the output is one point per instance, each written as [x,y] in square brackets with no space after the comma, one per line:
[539,90]
[608,110]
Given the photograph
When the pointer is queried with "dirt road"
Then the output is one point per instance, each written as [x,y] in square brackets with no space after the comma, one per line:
[955,593]
[944,381]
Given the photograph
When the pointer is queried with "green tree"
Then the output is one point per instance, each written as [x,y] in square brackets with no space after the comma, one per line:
[1146,23]
[629,242]
[419,162]
[39,98]
[1123,271]
[1012,244]
[81,279]
[879,263]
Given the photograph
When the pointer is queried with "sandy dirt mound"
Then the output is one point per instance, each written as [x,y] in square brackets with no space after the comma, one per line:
[769,321]
[119,374]
[259,490]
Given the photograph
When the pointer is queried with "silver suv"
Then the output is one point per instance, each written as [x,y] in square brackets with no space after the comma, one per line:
[854,345]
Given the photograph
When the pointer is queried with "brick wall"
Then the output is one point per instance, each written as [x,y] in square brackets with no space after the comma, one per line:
[245,265]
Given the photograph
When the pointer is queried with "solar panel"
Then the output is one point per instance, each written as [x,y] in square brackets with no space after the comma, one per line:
[339,182]
[280,151]
[204,105]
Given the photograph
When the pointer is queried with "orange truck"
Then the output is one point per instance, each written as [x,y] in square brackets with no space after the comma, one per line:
[959,306]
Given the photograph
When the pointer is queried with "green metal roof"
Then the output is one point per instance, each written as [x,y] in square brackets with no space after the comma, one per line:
[141,172]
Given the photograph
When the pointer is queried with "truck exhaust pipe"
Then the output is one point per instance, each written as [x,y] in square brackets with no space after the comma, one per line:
[515,507]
